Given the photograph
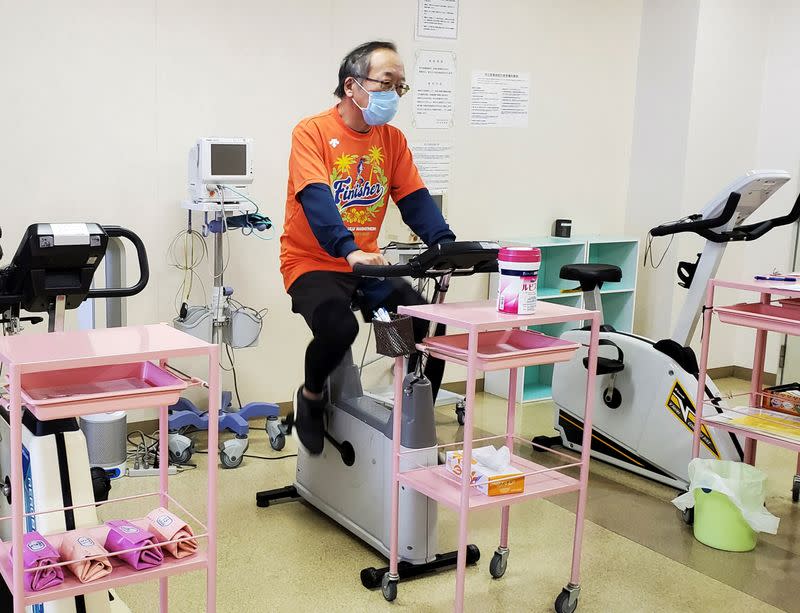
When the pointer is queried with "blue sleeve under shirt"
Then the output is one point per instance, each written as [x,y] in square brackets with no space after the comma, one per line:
[418,210]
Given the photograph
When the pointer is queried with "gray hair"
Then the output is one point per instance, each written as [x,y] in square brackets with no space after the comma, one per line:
[357,62]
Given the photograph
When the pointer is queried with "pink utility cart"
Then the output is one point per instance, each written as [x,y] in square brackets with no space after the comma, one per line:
[68,374]
[482,348]
[748,416]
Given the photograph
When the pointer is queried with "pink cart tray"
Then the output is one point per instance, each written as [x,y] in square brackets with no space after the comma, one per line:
[144,381]
[504,344]
[763,316]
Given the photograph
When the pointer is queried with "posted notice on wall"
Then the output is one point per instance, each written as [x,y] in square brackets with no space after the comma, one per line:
[434,89]
[499,99]
[437,19]
[433,162]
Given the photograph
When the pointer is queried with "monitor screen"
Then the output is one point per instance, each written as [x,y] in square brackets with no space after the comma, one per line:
[228,159]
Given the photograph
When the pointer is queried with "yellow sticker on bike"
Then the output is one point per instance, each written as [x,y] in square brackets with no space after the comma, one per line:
[682,407]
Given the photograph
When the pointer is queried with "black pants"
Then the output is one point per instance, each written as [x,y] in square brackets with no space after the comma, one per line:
[325,301]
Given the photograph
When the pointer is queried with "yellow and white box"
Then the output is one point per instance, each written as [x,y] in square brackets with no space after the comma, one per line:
[486,480]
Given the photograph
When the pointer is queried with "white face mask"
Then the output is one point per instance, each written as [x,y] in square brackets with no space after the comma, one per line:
[381,108]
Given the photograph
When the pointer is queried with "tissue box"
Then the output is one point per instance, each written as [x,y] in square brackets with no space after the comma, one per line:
[487,480]
[783,398]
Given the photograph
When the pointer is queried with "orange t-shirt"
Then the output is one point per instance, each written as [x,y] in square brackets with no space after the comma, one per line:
[362,170]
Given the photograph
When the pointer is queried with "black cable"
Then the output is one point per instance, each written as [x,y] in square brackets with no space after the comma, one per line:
[263,457]
[364,355]
[228,351]
[259,457]
[180,372]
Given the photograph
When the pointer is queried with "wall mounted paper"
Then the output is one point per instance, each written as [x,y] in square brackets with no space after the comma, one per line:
[433,163]
[437,19]
[499,99]
[434,89]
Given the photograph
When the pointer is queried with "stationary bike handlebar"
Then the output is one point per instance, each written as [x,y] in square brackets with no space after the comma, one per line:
[700,225]
[457,259]
[388,270]
[144,267]
[756,230]
[749,232]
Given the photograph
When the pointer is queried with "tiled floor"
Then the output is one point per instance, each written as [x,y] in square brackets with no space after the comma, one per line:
[638,555]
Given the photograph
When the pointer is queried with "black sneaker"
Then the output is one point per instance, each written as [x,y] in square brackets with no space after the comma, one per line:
[309,422]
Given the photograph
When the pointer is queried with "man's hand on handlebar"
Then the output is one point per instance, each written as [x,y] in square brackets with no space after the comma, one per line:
[368,259]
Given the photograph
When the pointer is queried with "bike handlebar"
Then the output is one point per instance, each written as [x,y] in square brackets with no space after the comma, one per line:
[699,225]
[410,270]
[749,232]
[756,230]
[388,270]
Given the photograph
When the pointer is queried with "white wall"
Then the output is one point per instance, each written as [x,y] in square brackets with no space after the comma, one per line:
[718,82]
[730,57]
[660,140]
[102,101]
[778,147]
[745,96]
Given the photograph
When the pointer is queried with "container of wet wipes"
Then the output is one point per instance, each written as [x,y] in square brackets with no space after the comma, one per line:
[519,275]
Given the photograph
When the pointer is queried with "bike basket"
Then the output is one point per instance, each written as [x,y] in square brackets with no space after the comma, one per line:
[394,338]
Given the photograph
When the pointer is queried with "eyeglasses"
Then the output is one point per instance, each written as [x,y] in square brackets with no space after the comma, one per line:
[401,88]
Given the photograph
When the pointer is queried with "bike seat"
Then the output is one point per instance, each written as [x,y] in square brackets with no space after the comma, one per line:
[591,276]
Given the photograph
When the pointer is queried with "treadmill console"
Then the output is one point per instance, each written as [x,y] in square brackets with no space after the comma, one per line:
[53,260]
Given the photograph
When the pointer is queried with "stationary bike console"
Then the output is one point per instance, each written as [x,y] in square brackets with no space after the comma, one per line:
[458,259]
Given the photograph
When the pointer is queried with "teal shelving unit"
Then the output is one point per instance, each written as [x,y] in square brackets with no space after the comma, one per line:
[535,382]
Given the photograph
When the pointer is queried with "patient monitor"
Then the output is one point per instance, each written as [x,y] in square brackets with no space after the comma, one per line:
[220,169]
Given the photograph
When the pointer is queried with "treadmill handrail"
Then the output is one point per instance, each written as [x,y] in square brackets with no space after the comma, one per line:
[144,267]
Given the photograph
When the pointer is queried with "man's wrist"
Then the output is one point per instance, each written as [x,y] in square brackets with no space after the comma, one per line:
[347,248]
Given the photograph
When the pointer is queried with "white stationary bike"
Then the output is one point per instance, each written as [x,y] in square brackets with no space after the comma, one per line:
[645,389]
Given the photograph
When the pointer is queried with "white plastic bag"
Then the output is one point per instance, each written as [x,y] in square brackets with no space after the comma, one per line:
[743,484]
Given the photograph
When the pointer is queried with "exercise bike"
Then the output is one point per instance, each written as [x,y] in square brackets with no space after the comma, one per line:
[351,480]
[52,272]
[645,389]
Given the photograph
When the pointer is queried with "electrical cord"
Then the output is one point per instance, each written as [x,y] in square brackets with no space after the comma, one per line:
[231,358]
[253,231]
[146,455]
[226,256]
[259,457]
[649,251]
[187,262]
[364,355]
[258,314]
[143,451]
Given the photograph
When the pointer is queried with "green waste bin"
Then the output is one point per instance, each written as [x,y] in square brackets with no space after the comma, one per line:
[720,524]
[728,500]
